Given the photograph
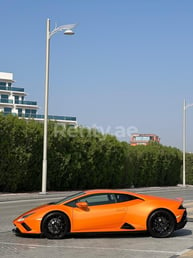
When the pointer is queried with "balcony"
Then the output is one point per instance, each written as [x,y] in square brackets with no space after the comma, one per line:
[36,116]
[11,88]
[63,118]
[23,102]
[8,101]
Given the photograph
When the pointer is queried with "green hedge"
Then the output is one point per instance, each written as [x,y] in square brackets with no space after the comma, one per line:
[80,159]
[155,165]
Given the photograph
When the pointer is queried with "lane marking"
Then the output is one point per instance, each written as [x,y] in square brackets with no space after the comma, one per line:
[188,252]
[179,254]
[85,247]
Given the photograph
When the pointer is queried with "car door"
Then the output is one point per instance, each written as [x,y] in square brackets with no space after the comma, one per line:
[103,213]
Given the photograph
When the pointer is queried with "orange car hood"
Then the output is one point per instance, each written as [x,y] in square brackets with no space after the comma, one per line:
[35,209]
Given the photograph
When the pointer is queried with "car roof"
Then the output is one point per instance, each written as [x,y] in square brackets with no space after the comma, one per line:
[117,191]
[102,191]
[95,191]
[141,196]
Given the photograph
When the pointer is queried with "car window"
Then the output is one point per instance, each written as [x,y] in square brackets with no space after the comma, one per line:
[95,199]
[69,197]
[124,197]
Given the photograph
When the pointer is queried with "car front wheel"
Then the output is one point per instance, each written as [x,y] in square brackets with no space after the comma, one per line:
[161,223]
[55,225]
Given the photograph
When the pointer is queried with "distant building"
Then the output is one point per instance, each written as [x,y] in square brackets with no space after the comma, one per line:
[143,139]
[12,101]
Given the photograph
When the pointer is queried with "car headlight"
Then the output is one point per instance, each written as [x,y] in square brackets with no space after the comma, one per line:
[25,216]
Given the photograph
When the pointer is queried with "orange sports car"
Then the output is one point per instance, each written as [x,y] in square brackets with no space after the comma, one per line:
[104,211]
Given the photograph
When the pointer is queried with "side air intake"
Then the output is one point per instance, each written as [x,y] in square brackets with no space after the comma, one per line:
[127,226]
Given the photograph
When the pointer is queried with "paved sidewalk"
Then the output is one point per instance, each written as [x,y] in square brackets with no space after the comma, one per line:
[35,195]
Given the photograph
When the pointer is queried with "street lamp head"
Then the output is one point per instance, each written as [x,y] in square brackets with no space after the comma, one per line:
[68,32]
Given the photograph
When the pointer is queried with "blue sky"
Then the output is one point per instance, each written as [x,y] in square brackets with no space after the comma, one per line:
[128,67]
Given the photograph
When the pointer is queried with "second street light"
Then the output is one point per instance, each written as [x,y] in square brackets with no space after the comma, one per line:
[67,31]
[184,140]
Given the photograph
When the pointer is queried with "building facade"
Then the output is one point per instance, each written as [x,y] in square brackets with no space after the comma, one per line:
[143,139]
[12,101]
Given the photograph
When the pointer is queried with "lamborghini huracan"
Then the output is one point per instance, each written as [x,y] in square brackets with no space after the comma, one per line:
[104,211]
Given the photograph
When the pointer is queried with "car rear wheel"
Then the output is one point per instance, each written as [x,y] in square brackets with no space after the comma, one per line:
[55,225]
[161,223]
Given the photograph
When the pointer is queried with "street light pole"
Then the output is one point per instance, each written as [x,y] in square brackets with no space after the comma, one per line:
[67,31]
[184,140]
[45,143]
[184,143]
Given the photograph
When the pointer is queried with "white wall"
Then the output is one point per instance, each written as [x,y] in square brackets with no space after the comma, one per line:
[6,76]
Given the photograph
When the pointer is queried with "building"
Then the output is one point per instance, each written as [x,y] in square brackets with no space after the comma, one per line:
[143,139]
[12,101]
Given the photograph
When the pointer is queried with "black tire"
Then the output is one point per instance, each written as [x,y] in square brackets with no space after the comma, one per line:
[161,223]
[55,225]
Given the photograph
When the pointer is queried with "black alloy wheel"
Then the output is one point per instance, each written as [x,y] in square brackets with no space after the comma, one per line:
[55,225]
[161,223]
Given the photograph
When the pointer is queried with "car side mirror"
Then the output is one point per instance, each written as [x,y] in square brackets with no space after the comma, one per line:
[82,205]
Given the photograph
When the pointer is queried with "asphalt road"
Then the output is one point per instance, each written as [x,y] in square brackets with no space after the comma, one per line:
[81,246]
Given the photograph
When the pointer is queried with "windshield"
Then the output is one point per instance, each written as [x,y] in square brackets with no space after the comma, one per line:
[69,197]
